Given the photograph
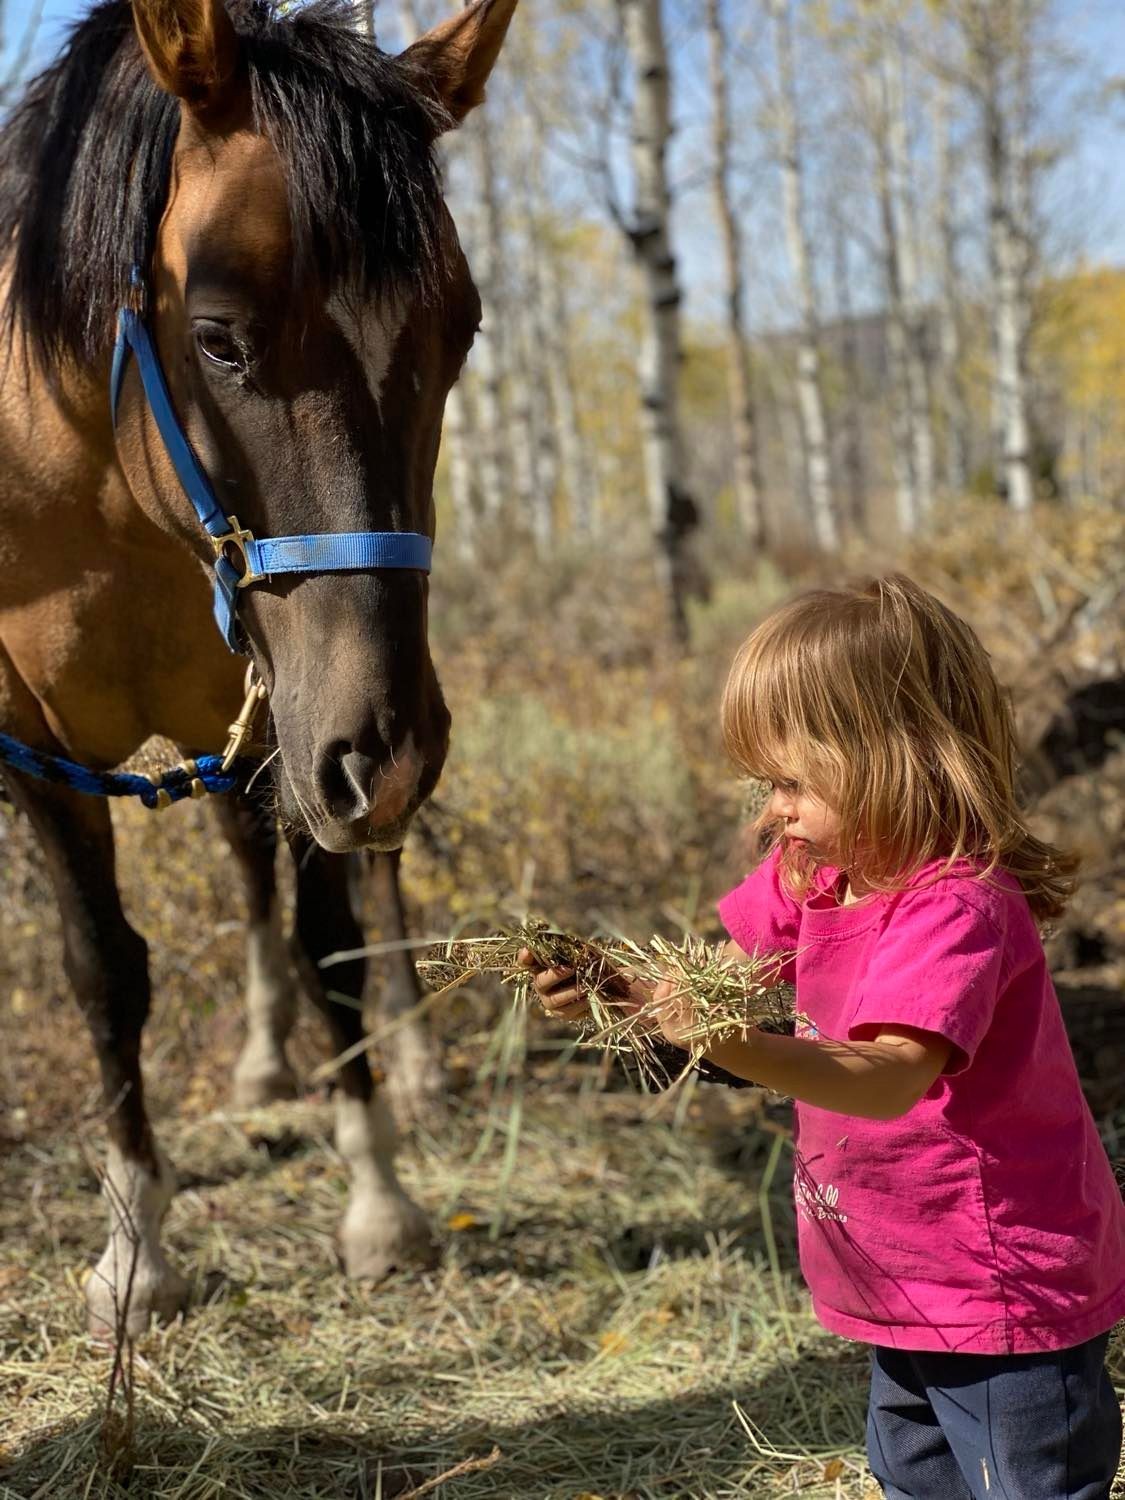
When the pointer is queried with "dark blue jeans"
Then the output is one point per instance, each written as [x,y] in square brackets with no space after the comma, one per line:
[994,1426]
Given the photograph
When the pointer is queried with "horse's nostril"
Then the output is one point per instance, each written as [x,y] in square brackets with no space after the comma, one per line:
[360,772]
[345,777]
[355,785]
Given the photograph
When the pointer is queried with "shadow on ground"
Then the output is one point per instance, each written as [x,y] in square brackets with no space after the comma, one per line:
[687,1446]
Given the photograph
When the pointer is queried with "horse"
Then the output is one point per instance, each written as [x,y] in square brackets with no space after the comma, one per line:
[252,199]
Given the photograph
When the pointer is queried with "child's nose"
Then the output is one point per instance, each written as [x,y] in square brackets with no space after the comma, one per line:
[781,805]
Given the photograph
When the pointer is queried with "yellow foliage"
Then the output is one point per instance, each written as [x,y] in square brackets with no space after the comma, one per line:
[1081,332]
[1080,343]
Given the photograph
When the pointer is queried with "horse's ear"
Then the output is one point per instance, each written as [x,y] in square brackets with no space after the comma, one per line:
[455,58]
[191,48]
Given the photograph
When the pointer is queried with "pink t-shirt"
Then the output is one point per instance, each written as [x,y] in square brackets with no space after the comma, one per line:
[986,1220]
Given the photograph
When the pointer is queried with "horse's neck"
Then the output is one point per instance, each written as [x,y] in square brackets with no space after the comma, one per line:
[60,440]
[105,628]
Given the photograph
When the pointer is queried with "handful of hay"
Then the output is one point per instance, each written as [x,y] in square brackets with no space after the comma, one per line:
[727,997]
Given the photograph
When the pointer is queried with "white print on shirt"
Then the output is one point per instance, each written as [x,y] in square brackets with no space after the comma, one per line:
[818,1201]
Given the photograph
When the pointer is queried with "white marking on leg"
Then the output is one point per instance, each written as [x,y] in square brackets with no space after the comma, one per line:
[383,1228]
[415,1078]
[133,1280]
[263,1071]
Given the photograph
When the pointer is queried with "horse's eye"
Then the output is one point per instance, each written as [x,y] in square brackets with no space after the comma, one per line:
[218,344]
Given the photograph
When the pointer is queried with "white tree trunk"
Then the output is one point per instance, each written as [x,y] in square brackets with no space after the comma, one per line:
[897,336]
[912,309]
[671,511]
[1006,166]
[534,482]
[409,22]
[489,357]
[950,390]
[810,401]
[853,465]
[792,441]
[747,483]
[455,434]
[575,470]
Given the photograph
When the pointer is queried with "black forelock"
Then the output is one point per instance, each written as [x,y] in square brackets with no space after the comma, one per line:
[85,157]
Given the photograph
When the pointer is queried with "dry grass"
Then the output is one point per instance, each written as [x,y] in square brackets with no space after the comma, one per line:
[618,1312]
[606,1296]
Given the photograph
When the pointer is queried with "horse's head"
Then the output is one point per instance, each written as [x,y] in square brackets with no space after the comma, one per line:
[312,308]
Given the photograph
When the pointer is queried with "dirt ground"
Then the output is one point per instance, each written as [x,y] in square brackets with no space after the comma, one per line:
[617,1311]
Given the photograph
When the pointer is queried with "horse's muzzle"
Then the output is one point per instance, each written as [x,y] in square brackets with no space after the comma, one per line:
[369,801]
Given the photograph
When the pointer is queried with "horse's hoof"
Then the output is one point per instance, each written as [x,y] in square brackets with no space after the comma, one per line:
[254,1090]
[156,1292]
[392,1235]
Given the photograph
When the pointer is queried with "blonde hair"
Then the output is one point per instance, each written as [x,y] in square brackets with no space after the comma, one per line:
[884,704]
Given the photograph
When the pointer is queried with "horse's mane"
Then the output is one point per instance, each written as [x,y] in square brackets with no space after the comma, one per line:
[85,155]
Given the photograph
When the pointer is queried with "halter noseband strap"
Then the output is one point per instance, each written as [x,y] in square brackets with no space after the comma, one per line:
[241,558]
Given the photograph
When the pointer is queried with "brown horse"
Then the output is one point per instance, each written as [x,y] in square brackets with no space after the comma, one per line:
[274,179]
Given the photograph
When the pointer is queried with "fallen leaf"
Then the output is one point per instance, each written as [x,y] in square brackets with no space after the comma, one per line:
[833,1468]
[613,1343]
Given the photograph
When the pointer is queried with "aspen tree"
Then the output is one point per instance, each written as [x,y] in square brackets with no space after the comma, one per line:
[994,30]
[949,387]
[810,399]
[747,480]
[672,510]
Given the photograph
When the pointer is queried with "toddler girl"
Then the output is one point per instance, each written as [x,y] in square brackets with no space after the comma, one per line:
[955,1207]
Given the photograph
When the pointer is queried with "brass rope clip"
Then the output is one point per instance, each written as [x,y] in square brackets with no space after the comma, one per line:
[191,770]
[243,726]
[163,796]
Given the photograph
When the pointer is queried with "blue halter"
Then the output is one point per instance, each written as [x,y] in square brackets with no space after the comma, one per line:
[240,558]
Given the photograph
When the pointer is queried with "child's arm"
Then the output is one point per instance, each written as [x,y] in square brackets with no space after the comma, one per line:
[878,1079]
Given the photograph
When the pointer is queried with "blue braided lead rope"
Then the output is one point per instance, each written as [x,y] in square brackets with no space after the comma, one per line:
[174,785]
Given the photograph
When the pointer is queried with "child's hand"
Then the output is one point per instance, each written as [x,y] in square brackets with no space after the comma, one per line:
[673,1014]
[558,994]
[554,989]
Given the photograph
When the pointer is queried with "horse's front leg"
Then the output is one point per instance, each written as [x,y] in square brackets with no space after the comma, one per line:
[263,1072]
[383,1228]
[415,1079]
[107,965]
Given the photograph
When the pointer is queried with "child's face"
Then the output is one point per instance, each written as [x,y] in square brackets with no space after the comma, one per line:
[805,817]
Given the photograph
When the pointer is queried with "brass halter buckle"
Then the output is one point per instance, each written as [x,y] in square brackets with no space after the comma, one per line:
[243,727]
[236,539]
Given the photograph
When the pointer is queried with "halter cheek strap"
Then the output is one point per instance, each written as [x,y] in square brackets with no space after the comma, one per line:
[240,558]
